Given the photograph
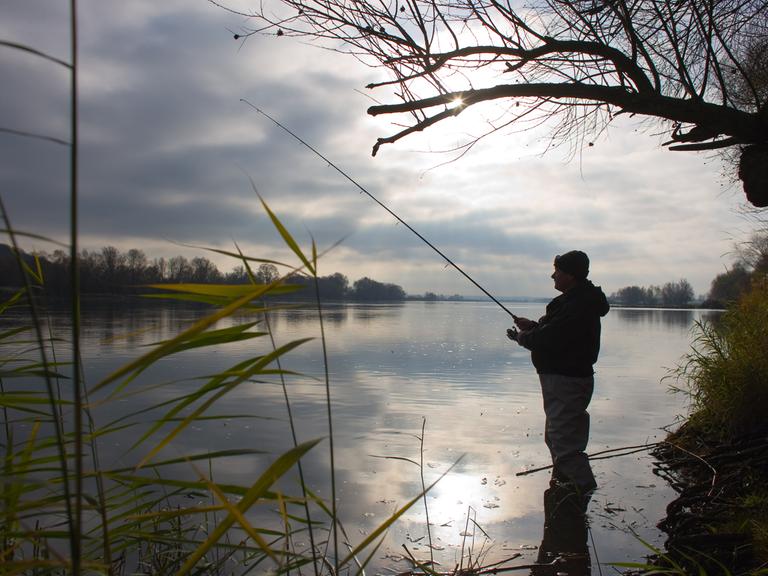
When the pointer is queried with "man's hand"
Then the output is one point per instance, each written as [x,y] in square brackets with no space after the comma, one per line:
[512,334]
[525,323]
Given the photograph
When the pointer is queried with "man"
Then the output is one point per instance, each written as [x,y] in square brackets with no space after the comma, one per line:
[564,345]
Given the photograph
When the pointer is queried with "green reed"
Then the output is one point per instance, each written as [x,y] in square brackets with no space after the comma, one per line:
[666,565]
[137,517]
[725,372]
[64,512]
[724,377]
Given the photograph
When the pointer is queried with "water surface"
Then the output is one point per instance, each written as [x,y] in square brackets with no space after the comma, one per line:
[449,367]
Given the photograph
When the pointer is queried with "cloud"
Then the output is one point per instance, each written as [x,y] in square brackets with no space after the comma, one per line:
[167,149]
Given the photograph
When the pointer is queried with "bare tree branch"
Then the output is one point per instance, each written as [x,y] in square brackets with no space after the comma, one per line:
[697,65]
[35,52]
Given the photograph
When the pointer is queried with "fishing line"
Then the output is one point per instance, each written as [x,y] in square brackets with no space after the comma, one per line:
[380,203]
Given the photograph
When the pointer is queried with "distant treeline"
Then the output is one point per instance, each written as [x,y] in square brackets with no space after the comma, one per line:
[672,294]
[110,271]
[751,263]
[432,297]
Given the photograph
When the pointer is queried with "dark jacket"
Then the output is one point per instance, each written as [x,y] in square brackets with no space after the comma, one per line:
[566,340]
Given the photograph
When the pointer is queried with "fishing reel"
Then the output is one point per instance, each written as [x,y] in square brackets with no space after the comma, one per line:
[512,334]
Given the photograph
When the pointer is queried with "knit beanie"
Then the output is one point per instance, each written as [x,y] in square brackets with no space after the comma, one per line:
[575,263]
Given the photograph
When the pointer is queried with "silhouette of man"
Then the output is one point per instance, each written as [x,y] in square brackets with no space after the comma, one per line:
[564,346]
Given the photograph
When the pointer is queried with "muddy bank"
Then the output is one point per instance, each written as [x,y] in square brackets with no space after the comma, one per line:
[719,517]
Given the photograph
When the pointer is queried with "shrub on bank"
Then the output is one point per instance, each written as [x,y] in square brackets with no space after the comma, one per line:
[726,373]
[726,378]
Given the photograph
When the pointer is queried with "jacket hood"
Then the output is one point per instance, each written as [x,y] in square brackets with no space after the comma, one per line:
[594,297]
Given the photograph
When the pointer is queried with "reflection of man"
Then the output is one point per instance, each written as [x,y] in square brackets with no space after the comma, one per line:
[564,345]
[563,547]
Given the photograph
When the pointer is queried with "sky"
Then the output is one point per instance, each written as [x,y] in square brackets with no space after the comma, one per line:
[168,150]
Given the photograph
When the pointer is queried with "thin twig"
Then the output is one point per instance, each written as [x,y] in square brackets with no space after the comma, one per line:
[491,569]
[330,421]
[26,134]
[599,456]
[424,488]
[618,455]
[36,52]
[700,459]
[75,536]
[293,431]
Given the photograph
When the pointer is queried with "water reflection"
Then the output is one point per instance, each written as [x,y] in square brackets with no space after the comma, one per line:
[564,549]
[682,319]
[369,313]
[669,318]
[294,316]
[338,313]
[394,365]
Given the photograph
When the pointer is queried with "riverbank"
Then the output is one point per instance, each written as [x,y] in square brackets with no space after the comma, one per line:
[720,517]
[718,460]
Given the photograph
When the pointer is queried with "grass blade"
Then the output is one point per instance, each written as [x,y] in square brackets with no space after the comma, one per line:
[198,327]
[287,238]
[387,523]
[275,471]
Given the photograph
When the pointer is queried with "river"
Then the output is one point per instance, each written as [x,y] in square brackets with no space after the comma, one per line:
[393,368]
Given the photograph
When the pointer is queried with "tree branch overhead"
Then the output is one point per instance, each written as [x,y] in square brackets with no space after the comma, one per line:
[699,65]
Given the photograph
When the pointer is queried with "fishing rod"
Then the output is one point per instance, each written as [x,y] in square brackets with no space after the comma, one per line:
[380,203]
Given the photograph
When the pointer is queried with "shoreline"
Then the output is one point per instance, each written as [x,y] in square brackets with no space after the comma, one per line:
[710,525]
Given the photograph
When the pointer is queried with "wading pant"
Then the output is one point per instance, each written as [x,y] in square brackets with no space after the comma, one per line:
[566,432]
